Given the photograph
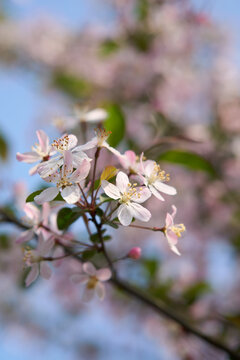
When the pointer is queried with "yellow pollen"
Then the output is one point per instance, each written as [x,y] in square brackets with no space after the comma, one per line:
[178,229]
[62,143]
[102,135]
[92,282]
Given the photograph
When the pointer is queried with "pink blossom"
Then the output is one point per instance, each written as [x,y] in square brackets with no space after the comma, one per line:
[129,198]
[135,253]
[173,232]
[41,152]
[93,279]
[34,260]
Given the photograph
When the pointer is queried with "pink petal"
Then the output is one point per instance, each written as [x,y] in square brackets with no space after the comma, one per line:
[166,189]
[139,212]
[28,157]
[44,246]
[71,194]
[34,170]
[32,212]
[68,162]
[79,278]
[25,236]
[169,220]
[104,274]
[33,274]
[174,211]
[87,295]
[111,190]
[45,270]
[122,181]
[89,269]
[124,215]
[46,195]
[45,213]
[43,140]
[149,166]
[100,290]
[171,237]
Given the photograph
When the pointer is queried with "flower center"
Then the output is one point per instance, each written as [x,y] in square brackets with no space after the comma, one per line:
[102,135]
[158,174]
[63,182]
[178,229]
[92,282]
[29,258]
[61,144]
[37,149]
[131,191]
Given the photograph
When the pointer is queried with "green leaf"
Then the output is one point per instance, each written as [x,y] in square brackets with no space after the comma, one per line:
[190,160]
[195,291]
[66,217]
[4,242]
[112,224]
[94,238]
[115,123]
[107,238]
[142,9]
[3,148]
[71,85]
[88,254]
[108,47]
[104,198]
[151,266]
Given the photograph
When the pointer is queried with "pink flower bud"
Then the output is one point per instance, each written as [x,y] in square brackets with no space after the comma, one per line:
[135,253]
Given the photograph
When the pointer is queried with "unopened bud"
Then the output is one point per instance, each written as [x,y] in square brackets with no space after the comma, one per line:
[135,253]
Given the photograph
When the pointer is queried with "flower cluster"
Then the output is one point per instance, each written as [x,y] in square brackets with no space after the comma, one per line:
[101,195]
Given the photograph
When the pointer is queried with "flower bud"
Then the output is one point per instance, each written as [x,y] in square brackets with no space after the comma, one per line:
[135,253]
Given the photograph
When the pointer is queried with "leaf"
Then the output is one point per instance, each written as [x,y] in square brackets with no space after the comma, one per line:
[142,9]
[190,160]
[151,266]
[108,173]
[3,148]
[94,238]
[4,242]
[88,254]
[115,123]
[104,198]
[108,47]
[112,224]
[71,85]
[195,291]
[66,217]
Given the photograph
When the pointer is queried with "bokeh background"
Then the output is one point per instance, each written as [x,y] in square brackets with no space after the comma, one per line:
[169,74]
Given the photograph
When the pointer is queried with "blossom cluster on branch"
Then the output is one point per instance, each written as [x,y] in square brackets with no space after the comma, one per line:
[104,196]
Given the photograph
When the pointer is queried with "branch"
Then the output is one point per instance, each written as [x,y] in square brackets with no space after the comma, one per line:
[164,310]
[131,290]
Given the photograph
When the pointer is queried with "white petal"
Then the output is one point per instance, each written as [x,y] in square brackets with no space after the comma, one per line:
[79,278]
[45,270]
[72,141]
[111,190]
[104,274]
[96,115]
[43,141]
[100,290]
[44,246]
[82,171]
[89,145]
[139,212]
[25,236]
[149,166]
[174,211]
[49,167]
[71,194]
[28,157]
[46,195]
[166,189]
[124,215]
[156,193]
[141,195]
[89,269]
[33,274]
[122,181]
